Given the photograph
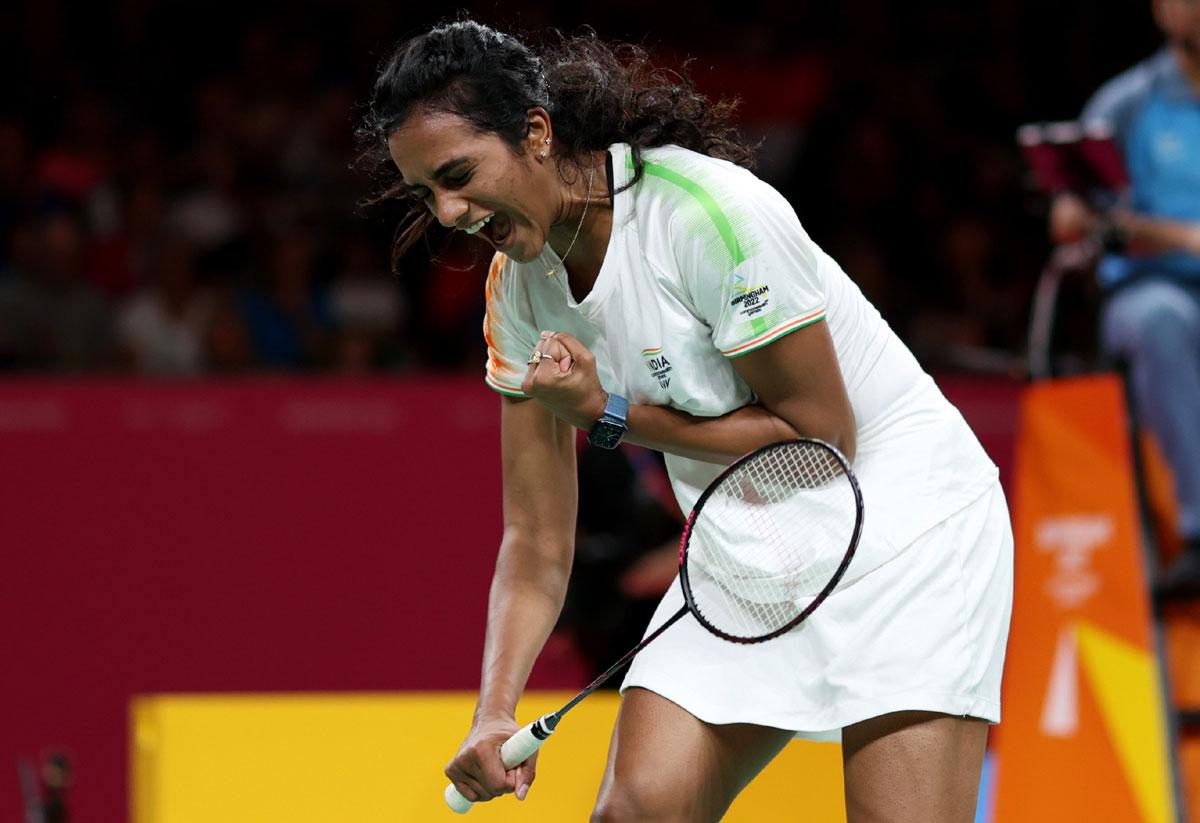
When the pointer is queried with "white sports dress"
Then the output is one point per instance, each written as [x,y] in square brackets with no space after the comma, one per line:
[705,263]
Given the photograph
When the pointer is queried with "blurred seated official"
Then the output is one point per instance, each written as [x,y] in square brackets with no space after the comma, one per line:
[1151,316]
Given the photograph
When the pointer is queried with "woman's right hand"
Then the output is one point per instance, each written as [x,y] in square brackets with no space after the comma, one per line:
[477,771]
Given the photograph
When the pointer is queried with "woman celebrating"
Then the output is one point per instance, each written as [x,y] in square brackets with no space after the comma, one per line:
[647,286]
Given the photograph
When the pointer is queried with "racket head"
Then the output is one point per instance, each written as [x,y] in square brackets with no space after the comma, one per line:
[770,590]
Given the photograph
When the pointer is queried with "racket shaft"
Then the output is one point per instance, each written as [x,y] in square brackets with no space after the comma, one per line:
[515,751]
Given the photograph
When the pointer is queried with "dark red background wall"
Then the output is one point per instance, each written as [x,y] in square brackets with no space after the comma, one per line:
[250,536]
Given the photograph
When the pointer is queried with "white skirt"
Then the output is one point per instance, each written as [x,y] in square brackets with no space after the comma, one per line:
[925,631]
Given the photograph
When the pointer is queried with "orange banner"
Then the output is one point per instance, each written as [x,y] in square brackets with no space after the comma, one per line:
[1084,734]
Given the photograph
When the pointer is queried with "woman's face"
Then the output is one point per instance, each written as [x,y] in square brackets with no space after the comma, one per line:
[1180,22]
[473,181]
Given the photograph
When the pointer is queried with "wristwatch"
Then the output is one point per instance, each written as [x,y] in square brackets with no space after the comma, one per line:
[612,425]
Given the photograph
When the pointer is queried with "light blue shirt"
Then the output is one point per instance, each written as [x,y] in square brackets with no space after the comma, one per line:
[1154,113]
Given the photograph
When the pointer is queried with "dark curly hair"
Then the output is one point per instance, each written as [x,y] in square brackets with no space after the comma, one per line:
[596,95]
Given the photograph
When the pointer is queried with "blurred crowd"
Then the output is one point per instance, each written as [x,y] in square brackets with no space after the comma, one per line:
[179,197]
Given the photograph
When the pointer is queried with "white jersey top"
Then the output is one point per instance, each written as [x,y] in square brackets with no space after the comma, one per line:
[707,263]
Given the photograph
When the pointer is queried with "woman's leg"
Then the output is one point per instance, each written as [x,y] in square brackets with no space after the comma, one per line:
[666,765]
[918,767]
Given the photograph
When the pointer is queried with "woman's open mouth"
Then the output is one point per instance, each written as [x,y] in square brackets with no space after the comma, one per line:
[476,226]
[496,227]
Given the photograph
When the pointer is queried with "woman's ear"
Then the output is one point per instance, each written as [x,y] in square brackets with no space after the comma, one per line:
[539,140]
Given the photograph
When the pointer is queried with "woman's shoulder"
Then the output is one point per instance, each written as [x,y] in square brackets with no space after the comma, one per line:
[500,279]
[709,203]
[705,192]
[511,289]
[694,167]
[507,273]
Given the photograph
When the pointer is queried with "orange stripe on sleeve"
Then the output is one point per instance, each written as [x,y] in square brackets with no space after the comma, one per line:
[778,331]
[489,290]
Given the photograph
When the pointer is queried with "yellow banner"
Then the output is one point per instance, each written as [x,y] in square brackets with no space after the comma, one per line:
[375,758]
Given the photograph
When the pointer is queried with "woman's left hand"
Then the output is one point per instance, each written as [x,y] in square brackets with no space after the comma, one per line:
[562,376]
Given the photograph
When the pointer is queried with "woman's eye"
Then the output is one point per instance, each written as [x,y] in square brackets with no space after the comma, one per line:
[458,179]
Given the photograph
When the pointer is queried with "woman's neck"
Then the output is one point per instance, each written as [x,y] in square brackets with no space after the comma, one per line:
[1189,64]
[580,238]
[585,261]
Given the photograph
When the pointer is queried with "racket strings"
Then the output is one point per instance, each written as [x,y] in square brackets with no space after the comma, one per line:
[769,538]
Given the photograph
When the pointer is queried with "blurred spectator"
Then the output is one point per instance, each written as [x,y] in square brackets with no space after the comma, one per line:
[316,145]
[119,261]
[449,291]
[972,307]
[288,316]
[77,164]
[51,317]
[227,344]
[22,248]
[209,214]
[889,127]
[368,309]
[14,160]
[163,326]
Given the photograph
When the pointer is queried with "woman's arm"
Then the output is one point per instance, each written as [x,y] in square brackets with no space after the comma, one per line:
[528,588]
[530,583]
[797,380]
[711,439]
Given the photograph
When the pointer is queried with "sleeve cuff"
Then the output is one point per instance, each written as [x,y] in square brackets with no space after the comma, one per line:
[775,333]
[511,391]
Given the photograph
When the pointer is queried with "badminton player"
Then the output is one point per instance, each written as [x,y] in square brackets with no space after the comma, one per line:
[646,286]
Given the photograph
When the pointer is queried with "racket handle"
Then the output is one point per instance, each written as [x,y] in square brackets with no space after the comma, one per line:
[515,751]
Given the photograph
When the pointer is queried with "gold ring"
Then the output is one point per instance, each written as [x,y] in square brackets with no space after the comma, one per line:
[535,358]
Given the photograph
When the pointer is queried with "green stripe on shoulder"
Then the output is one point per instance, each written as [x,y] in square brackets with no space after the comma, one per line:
[705,200]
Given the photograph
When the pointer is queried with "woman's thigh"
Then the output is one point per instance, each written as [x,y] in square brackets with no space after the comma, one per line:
[664,764]
[913,766]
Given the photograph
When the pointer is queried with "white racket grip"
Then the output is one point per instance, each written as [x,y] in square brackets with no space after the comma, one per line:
[515,751]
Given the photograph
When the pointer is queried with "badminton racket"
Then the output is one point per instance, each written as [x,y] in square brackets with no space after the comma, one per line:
[766,543]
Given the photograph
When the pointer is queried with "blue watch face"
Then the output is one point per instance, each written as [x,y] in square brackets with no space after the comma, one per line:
[606,435]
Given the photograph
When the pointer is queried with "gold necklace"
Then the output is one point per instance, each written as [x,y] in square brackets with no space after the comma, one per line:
[563,260]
